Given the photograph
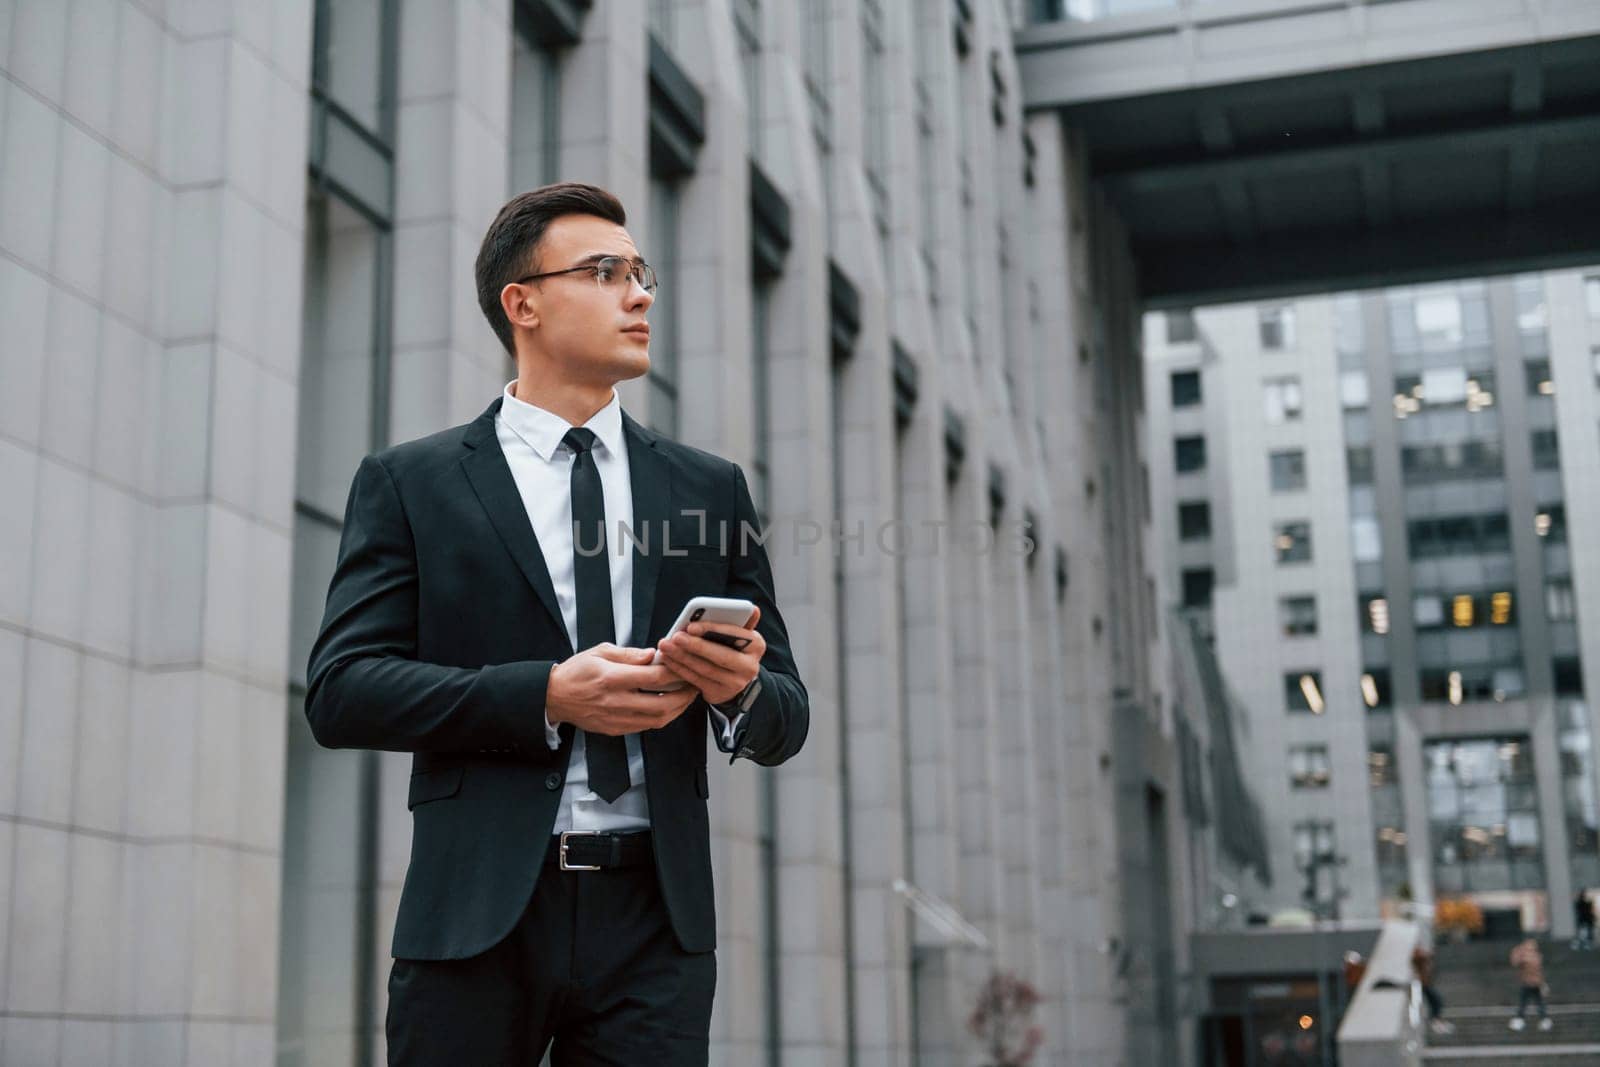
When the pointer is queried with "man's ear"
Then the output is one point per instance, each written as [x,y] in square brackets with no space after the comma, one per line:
[520,305]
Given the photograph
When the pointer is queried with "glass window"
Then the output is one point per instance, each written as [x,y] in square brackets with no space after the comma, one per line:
[1292,542]
[1197,586]
[1538,375]
[1308,767]
[1189,454]
[1348,331]
[1288,470]
[1353,390]
[1550,523]
[1546,450]
[1185,388]
[1297,615]
[1483,814]
[1358,463]
[347,62]
[1181,327]
[534,118]
[1282,399]
[1438,318]
[1560,606]
[1366,539]
[1277,327]
[1375,688]
[1302,691]
[1194,520]
[1458,535]
[1374,613]
[662,378]
[1461,460]
[1568,672]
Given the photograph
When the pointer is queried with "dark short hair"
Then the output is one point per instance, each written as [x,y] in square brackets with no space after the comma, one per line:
[510,248]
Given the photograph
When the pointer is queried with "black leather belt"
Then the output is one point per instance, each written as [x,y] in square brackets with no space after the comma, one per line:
[587,850]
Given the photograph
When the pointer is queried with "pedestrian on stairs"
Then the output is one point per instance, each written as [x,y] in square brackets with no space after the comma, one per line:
[1422,964]
[1583,915]
[1529,965]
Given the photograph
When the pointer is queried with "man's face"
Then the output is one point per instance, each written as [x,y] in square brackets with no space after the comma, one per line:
[581,322]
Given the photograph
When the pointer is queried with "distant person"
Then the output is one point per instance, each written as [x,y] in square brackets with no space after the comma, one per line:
[1422,964]
[1529,965]
[1583,915]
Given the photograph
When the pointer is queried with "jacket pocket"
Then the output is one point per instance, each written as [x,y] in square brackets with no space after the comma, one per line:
[433,785]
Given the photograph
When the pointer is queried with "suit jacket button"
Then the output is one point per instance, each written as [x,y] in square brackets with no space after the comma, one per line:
[552,781]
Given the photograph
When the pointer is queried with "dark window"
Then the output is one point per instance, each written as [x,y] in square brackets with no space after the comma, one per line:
[1568,672]
[1546,450]
[1180,327]
[1197,585]
[1359,463]
[1292,541]
[1185,388]
[1422,464]
[1302,691]
[1539,382]
[1189,454]
[1458,535]
[1288,470]
[1194,520]
[1297,615]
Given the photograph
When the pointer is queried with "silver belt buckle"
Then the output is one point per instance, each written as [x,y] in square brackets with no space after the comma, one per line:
[565,866]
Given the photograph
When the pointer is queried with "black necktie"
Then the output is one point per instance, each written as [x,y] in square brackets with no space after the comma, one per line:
[606,756]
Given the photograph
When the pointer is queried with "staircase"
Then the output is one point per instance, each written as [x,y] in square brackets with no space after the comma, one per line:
[1480,996]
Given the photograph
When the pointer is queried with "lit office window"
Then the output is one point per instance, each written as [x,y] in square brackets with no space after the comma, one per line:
[1302,691]
[1292,542]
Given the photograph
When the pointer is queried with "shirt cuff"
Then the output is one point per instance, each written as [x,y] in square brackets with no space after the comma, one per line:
[552,736]
[726,719]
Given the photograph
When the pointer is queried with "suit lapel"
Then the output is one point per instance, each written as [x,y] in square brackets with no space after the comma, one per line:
[651,476]
[486,469]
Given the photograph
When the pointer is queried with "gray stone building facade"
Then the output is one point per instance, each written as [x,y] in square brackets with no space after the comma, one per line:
[235,252]
[1377,504]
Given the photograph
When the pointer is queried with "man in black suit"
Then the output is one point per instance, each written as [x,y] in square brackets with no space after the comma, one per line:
[559,894]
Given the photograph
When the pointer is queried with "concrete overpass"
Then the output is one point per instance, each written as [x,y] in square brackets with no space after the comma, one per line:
[1270,147]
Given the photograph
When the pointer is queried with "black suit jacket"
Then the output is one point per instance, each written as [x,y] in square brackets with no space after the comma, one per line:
[441,629]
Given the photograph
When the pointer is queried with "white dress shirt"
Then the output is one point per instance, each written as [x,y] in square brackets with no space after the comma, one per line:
[541,465]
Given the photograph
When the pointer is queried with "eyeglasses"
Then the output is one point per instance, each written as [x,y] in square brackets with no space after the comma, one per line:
[610,272]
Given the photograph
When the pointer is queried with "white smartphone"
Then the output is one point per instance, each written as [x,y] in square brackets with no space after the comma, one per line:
[733,611]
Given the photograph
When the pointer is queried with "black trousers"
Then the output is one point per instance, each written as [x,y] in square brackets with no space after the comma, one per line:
[591,971]
[1531,994]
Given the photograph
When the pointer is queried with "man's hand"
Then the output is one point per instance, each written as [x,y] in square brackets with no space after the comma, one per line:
[720,673]
[598,690]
